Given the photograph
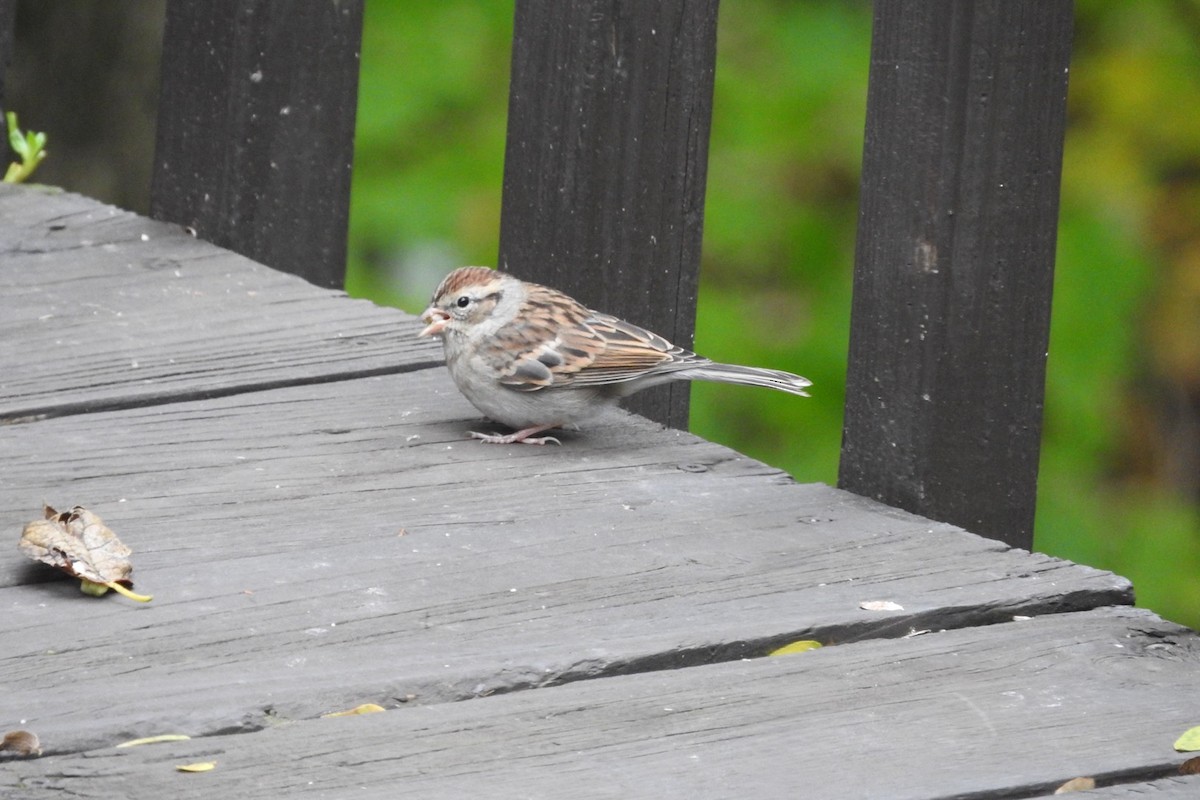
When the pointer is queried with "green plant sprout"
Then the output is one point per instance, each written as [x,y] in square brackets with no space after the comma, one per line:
[31,147]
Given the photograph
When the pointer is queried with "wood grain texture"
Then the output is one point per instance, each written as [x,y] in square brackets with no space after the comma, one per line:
[267,525]
[606,160]
[256,129]
[955,259]
[100,308]
[1004,711]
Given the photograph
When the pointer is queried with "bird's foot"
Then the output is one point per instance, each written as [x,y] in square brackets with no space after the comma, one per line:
[525,436]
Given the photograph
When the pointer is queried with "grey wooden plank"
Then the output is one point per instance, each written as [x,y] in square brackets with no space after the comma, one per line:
[101,308]
[1001,711]
[267,525]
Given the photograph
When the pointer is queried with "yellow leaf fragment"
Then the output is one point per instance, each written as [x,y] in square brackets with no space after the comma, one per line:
[1189,741]
[92,588]
[21,743]
[121,590]
[1076,785]
[365,708]
[166,737]
[802,646]
[199,766]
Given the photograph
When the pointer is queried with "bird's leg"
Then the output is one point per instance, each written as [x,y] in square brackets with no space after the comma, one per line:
[524,436]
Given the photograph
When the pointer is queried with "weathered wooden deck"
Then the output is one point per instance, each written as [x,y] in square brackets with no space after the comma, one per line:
[589,621]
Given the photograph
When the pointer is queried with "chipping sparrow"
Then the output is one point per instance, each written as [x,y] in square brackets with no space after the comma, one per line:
[532,358]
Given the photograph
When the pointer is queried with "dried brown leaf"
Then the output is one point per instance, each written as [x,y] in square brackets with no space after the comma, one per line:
[1190,767]
[21,743]
[80,544]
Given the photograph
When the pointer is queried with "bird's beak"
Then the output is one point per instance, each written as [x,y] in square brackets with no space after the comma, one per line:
[436,321]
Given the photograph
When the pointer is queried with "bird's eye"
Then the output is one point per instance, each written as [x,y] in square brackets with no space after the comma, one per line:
[463,301]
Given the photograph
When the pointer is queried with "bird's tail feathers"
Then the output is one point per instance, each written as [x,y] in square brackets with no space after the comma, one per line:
[748,376]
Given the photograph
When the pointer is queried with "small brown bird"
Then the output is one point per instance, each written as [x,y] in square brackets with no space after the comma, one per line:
[532,358]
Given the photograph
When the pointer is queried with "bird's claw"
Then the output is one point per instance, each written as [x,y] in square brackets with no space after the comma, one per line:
[522,437]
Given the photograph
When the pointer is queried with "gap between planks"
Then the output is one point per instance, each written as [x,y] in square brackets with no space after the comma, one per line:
[73,408]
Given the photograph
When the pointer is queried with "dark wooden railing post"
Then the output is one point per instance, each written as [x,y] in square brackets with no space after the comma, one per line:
[8,19]
[955,259]
[604,172]
[256,128]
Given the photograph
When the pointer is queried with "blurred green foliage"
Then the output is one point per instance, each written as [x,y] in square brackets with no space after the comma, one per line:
[1120,475]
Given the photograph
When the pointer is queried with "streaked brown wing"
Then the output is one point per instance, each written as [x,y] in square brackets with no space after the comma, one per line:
[626,346]
[546,356]
[596,349]
[629,352]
